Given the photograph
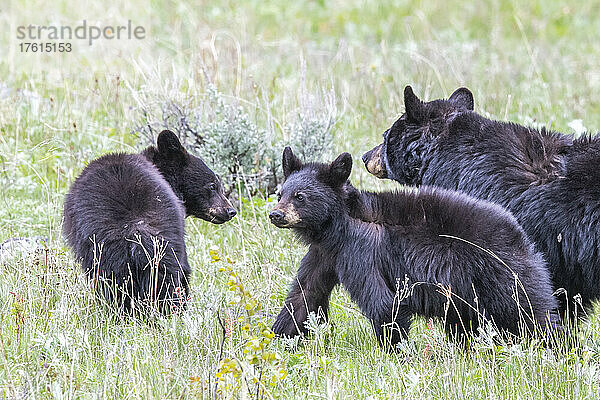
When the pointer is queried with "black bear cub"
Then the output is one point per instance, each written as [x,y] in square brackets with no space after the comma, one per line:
[124,220]
[430,252]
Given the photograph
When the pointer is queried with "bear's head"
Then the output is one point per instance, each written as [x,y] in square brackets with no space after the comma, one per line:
[312,193]
[405,145]
[192,181]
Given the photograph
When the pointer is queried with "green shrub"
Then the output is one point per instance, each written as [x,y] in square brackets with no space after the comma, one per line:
[226,134]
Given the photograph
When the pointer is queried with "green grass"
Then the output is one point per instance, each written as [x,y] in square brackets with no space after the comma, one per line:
[533,62]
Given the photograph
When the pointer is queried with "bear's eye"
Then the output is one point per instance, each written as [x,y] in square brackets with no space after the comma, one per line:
[279,196]
[212,186]
[299,196]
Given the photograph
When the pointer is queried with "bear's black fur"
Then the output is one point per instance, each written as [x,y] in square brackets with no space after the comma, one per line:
[463,260]
[124,219]
[548,180]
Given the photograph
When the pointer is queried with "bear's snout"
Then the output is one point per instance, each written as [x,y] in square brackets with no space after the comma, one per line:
[277,217]
[221,215]
[285,216]
[374,163]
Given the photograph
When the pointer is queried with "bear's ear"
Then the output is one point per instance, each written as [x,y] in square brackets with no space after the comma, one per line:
[290,162]
[340,168]
[463,97]
[415,109]
[168,144]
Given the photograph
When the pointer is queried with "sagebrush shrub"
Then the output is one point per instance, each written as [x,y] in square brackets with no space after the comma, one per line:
[240,143]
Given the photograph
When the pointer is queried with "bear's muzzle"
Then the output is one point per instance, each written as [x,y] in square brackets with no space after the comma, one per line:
[374,163]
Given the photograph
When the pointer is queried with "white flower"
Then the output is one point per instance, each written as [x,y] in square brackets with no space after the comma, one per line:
[577,126]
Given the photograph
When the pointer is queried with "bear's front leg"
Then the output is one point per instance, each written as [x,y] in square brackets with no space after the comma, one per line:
[309,293]
[391,322]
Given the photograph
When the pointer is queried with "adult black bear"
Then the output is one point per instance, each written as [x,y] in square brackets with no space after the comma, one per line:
[124,220]
[549,181]
[430,252]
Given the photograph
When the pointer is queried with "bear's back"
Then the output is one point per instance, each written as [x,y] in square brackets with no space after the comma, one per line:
[474,247]
[434,211]
[118,196]
[495,160]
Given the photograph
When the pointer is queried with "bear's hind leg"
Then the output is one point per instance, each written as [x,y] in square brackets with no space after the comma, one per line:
[391,324]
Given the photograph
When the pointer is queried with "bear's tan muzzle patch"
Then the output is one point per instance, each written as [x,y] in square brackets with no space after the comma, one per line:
[374,163]
[291,216]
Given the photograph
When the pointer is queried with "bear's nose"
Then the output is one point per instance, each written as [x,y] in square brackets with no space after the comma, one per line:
[231,212]
[366,156]
[276,216]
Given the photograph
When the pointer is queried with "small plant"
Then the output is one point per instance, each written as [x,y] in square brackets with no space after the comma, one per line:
[233,144]
[431,339]
[18,311]
[253,368]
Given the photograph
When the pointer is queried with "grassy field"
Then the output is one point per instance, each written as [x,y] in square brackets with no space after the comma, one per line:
[532,62]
